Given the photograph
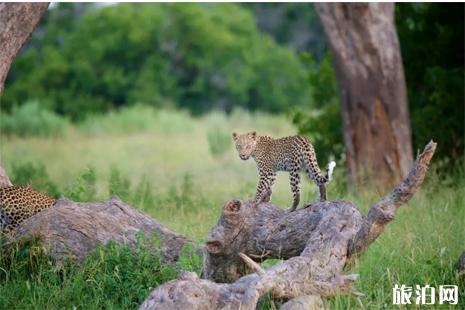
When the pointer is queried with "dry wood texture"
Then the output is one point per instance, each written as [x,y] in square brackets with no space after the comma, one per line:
[71,229]
[316,242]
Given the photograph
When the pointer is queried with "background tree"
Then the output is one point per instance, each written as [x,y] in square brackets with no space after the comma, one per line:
[193,56]
[373,95]
[431,36]
[17,21]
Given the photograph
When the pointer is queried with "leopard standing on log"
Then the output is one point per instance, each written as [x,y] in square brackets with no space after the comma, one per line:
[18,203]
[291,154]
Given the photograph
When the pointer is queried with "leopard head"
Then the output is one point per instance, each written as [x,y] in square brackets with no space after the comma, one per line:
[245,144]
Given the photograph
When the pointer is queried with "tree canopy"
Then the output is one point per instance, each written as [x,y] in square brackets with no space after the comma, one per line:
[193,56]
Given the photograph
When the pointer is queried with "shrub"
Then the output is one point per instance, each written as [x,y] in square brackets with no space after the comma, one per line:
[200,56]
[219,140]
[33,119]
[112,277]
[137,118]
[321,120]
[84,187]
[34,173]
[119,185]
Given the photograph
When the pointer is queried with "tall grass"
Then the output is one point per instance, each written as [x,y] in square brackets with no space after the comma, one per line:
[113,277]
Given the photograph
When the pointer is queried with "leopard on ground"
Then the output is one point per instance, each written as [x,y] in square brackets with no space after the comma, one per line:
[291,154]
[18,203]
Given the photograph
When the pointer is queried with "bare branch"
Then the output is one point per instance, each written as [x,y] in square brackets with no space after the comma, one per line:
[382,212]
[253,265]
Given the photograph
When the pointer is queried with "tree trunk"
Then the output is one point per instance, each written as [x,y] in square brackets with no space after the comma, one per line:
[17,21]
[72,230]
[374,107]
[317,243]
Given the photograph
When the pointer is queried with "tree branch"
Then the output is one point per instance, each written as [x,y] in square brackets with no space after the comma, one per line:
[317,243]
[382,212]
[17,22]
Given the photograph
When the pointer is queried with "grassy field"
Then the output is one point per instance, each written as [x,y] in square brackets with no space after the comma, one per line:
[181,170]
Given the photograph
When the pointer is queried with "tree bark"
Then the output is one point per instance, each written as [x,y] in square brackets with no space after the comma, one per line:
[317,243]
[374,106]
[72,230]
[17,21]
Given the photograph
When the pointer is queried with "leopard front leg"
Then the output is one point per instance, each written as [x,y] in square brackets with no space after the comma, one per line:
[294,178]
[267,179]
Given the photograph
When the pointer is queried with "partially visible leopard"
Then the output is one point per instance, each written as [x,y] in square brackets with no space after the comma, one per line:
[291,154]
[18,203]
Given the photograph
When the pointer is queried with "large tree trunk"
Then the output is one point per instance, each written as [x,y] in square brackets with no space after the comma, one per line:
[369,69]
[317,243]
[17,21]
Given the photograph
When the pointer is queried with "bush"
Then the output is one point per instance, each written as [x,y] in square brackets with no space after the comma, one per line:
[33,119]
[113,277]
[321,120]
[137,118]
[219,140]
[200,56]
[34,173]
[119,185]
[84,187]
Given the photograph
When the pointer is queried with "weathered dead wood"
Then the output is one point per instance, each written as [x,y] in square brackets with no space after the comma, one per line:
[17,21]
[384,210]
[72,230]
[316,242]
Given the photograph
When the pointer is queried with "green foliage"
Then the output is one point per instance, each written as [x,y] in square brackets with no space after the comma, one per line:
[137,118]
[291,24]
[431,37]
[113,277]
[198,56]
[84,187]
[32,119]
[35,174]
[190,260]
[321,120]
[219,140]
[118,185]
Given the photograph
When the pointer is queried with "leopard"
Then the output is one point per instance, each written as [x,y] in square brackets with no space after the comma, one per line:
[290,154]
[18,203]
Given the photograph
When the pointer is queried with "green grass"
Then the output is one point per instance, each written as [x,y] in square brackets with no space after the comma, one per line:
[162,162]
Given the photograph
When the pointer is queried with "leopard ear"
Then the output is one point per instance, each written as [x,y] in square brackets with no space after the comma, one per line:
[253,134]
[234,135]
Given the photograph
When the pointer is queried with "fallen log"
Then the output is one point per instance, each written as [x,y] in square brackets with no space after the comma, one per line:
[72,230]
[316,243]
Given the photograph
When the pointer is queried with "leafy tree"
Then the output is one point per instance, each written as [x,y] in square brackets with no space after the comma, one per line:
[195,56]
[321,118]
[431,36]
[291,24]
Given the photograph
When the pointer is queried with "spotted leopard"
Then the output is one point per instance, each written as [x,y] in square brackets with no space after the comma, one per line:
[291,154]
[18,203]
